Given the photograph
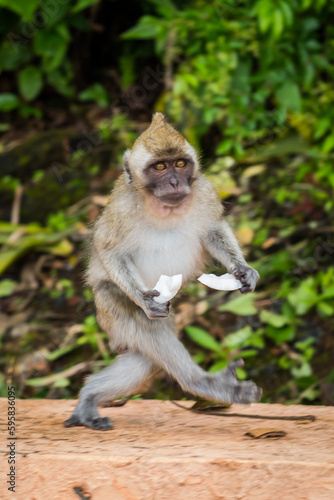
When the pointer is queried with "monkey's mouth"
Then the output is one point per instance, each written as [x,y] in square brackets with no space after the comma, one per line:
[173,199]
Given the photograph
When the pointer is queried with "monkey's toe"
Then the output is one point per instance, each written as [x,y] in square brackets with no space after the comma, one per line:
[247,392]
[101,424]
[97,424]
[233,365]
[72,421]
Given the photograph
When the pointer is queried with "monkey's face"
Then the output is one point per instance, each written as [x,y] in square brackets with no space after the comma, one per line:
[168,184]
[162,166]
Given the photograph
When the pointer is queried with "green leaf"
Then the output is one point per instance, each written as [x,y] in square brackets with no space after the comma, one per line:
[238,339]
[7,287]
[327,294]
[304,370]
[63,248]
[24,8]
[58,353]
[166,7]
[264,11]
[83,4]
[62,382]
[242,305]
[328,144]
[61,81]
[27,111]
[288,95]
[216,367]
[304,297]
[52,47]
[148,27]
[287,13]
[30,82]
[278,23]
[224,146]
[322,126]
[202,338]
[325,309]
[279,335]
[241,374]
[273,319]
[27,242]
[95,92]
[8,101]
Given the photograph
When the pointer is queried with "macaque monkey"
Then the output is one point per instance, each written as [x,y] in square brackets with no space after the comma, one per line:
[163,217]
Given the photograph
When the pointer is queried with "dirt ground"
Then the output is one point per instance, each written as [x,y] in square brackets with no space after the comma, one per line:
[160,452]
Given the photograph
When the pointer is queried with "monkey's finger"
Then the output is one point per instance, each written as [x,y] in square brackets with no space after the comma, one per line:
[237,363]
[240,274]
[157,316]
[152,293]
[246,289]
[165,305]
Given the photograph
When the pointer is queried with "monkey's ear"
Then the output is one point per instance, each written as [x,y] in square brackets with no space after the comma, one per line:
[126,167]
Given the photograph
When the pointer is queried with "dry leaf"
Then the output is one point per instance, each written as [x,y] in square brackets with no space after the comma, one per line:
[254,170]
[269,242]
[203,404]
[245,235]
[265,433]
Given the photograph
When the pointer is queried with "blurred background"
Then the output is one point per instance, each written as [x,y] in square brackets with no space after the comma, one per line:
[250,84]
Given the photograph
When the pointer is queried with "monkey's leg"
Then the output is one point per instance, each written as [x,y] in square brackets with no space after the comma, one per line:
[161,346]
[129,374]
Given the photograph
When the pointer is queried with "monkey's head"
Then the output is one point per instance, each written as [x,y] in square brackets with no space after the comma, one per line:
[162,165]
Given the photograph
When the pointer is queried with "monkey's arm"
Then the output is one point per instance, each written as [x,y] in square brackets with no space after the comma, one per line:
[122,272]
[223,246]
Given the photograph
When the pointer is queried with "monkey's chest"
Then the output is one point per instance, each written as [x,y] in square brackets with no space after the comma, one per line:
[169,253]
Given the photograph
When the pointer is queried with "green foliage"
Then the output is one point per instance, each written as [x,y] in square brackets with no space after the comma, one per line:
[21,7]
[28,238]
[8,101]
[83,4]
[30,82]
[7,287]
[202,338]
[95,92]
[242,305]
[244,60]
[250,84]
[34,44]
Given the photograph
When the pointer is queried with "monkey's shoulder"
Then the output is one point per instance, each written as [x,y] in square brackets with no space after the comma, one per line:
[207,198]
[117,220]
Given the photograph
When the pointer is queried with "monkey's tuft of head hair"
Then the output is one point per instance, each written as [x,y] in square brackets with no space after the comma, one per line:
[161,139]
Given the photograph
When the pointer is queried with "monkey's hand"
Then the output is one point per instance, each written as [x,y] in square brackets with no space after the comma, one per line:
[247,276]
[152,309]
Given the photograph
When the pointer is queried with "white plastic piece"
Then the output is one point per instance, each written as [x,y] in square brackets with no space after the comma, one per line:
[225,282]
[168,286]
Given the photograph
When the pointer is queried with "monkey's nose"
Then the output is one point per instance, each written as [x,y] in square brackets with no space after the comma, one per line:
[174,182]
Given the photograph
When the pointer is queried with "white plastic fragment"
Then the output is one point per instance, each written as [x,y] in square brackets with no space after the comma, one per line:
[168,286]
[225,282]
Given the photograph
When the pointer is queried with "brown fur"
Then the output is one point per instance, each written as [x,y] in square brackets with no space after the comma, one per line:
[161,139]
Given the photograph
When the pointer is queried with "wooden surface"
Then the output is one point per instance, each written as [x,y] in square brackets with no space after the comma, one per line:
[158,451]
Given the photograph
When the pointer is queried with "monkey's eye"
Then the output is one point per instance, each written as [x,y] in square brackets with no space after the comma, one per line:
[180,163]
[160,166]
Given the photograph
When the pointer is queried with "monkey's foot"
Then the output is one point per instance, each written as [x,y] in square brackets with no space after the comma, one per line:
[240,392]
[247,392]
[97,424]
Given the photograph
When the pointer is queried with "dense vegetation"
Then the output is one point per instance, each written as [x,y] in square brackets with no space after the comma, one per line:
[250,83]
